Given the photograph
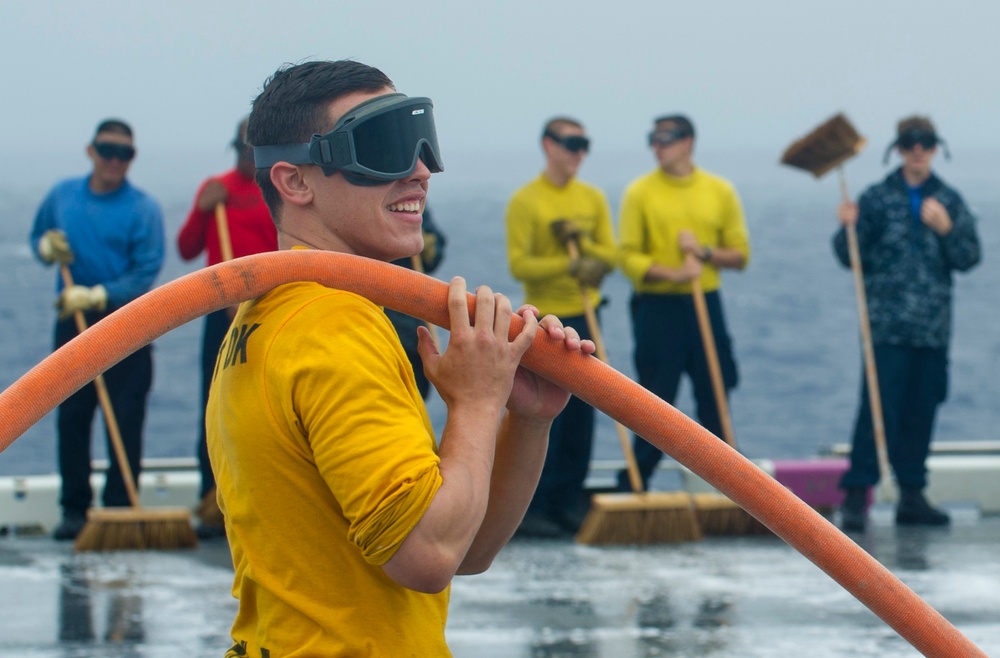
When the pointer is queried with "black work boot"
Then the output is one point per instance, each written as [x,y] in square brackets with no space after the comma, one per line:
[852,512]
[72,524]
[913,509]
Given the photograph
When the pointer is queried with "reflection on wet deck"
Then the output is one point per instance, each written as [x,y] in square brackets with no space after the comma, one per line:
[720,597]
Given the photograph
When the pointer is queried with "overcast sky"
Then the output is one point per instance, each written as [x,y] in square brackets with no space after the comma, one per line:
[752,74]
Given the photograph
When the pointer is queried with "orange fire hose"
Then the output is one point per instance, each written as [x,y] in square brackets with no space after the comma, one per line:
[137,324]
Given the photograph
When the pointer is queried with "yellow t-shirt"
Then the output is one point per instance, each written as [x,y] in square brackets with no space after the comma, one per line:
[657,207]
[325,459]
[538,259]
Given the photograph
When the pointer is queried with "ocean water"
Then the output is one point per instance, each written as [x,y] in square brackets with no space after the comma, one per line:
[792,313]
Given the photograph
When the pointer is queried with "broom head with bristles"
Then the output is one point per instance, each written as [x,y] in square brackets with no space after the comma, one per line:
[719,516]
[639,518]
[136,528]
[826,147]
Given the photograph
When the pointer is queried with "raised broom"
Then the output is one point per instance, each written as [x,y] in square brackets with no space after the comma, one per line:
[640,517]
[827,147]
[134,527]
[717,515]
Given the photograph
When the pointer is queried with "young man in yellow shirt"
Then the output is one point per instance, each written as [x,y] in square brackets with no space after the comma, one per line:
[541,217]
[346,521]
[679,223]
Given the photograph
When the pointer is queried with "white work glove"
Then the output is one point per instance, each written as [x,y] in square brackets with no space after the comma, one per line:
[53,247]
[81,298]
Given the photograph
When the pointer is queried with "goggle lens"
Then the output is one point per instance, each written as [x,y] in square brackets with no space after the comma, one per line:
[112,151]
[572,143]
[389,144]
[666,137]
[909,140]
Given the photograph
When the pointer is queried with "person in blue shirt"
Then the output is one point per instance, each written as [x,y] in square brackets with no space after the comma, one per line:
[109,234]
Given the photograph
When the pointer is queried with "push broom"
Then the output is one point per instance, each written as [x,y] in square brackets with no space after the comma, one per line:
[134,527]
[717,515]
[828,147]
[640,517]
[208,509]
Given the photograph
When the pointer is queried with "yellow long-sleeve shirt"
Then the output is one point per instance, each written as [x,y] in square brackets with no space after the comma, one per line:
[657,207]
[538,259]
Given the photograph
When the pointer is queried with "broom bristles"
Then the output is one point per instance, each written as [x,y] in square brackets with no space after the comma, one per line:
[136,528]
[826,147]
[719,516]
[639,518]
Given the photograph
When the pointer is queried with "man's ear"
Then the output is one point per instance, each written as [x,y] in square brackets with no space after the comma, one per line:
[291,184]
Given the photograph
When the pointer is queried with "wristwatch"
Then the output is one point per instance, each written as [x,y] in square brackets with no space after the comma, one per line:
[706,255]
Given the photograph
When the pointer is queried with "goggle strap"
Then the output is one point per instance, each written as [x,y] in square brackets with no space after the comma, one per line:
[265,157]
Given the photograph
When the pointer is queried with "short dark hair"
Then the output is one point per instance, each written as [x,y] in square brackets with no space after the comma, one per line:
[555,123]
[680,121]
[292,107]
[113,126]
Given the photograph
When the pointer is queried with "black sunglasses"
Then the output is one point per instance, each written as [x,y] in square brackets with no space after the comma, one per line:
[112,151]
[572,143]
[908,140]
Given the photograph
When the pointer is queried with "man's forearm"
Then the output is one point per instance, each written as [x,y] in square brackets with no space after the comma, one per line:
[436,547]
[520,454]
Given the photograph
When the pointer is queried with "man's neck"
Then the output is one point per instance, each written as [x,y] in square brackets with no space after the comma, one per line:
[916,178]
[97,187]
[680,169]
[558,179]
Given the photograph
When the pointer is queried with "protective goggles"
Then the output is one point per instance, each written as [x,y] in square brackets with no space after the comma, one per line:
[668,137]
[911,138]
[572,143]
[376,142]
[113,151]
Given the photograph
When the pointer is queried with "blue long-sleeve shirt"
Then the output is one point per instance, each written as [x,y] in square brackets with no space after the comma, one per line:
[117,238]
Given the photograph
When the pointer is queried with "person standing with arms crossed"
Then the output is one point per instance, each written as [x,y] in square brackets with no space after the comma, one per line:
[679,223]
[914,232]
[109,234]
[346,520]
[542,217]
[249,231]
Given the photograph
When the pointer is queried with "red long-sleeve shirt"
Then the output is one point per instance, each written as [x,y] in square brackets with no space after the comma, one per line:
[251,230]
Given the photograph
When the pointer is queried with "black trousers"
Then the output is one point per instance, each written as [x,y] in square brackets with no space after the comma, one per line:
[668,345]
[912,382]
[216,326]
[128,385]
[560,487]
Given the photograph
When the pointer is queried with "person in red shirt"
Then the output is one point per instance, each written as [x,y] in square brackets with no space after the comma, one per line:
[250,231]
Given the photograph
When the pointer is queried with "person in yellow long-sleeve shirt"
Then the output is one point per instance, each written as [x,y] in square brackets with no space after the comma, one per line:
[679,223]
[542,217]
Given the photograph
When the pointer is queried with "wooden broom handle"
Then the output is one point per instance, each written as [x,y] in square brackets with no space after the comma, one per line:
[418,266]
[871,374]
[107,409]
[222,226]
[712,355]
[631,466]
